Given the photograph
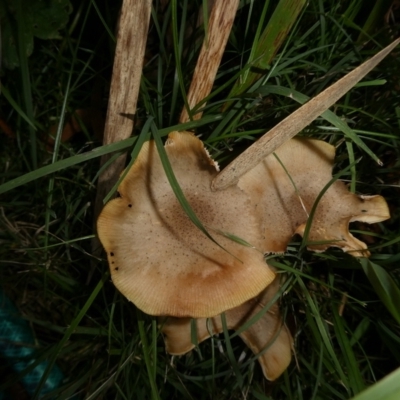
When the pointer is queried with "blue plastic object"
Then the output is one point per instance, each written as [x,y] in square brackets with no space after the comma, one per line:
[16,347]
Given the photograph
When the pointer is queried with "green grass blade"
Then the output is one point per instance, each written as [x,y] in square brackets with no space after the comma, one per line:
[328,115]
[104,23]
[177,189]
[264,309]
[384,285]
[229,351]
[323,333]
[98,152]
[356,382]
[5,92]
[141,139]
[74,324]
[272,38]
[386,389]
[178,49]
[316,202]
[149,363]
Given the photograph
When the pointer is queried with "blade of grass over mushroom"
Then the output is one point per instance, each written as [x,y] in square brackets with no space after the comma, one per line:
[352,161]
[219,27]
[97,152]
[263,350]
[294,123]
[384,285]
[235,238]
[264,309]
[304,242]
[291,181]
[143,137]
[177,189]
[266,45]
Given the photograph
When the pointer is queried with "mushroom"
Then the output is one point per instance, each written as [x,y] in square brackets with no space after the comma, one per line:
[283,191]
[159,259]
[268,337]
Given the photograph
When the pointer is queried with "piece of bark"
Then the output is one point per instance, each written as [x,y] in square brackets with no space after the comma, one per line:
[125,84]
[219,28]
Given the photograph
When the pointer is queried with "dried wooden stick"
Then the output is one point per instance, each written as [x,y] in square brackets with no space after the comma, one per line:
[219,27]
[125,83]
[295,122]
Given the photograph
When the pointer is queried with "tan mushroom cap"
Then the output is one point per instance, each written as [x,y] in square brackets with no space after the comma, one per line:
[159,259]
[268,337]
[281,213]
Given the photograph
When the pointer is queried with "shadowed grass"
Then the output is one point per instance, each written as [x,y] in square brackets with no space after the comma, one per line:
[343,318]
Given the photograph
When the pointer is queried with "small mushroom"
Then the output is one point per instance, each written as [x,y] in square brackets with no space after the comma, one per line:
[283,188]
[268,337]
[159,259]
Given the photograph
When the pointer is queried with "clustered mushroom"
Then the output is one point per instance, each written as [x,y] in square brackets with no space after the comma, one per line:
[166,266]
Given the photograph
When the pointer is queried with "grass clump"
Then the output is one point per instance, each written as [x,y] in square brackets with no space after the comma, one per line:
[343,313]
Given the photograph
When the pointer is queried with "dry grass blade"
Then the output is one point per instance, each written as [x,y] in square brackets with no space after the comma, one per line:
[295,122]
[220,25]
[127,71]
